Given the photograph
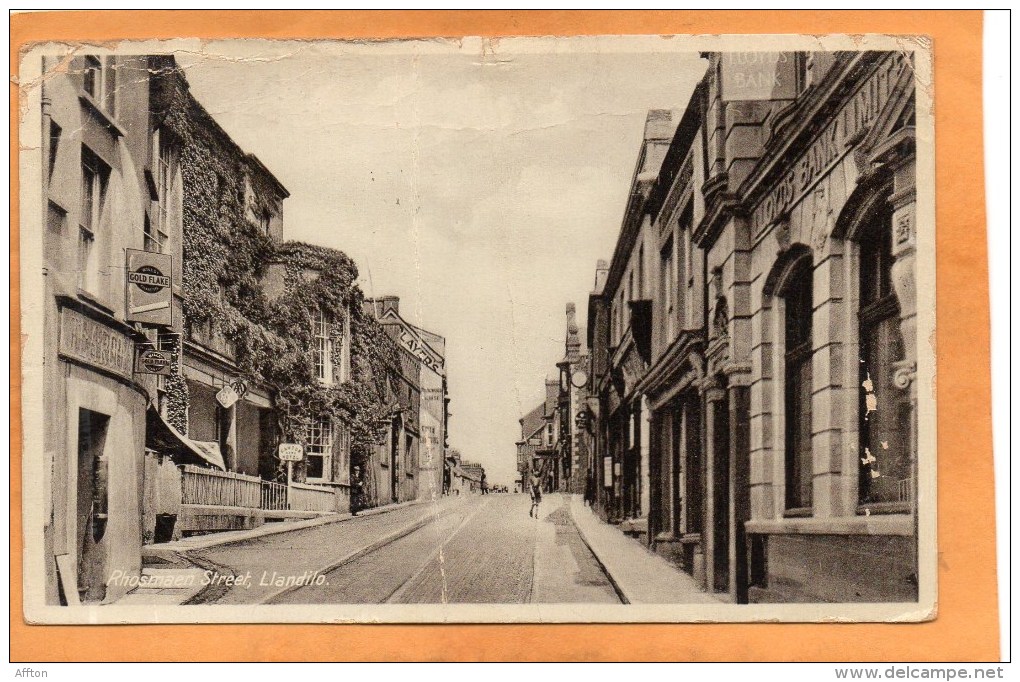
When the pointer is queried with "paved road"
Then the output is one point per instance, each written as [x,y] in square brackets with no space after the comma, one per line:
[469,550]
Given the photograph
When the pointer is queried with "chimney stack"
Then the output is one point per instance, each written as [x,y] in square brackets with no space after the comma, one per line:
[573,345]
[386,303]
[601,275]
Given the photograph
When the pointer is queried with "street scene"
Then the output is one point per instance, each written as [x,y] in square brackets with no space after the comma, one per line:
[541,326]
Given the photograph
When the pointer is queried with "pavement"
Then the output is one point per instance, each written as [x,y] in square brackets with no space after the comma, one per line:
[639,576]
[468,549]
[197,558]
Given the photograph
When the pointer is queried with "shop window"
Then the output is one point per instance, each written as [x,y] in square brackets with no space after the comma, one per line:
[323,349]
[319,451]
[885,412]
[94,179]
[798,305]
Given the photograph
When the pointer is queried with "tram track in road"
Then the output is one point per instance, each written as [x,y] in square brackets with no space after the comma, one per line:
[348,580]
[396,595]
[486,551]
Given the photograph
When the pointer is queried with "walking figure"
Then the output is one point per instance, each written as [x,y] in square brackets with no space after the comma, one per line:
[536,493]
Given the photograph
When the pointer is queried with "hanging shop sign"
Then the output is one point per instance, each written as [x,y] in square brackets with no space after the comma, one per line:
[291,452]
[151,360]
[149,288]
[231,393]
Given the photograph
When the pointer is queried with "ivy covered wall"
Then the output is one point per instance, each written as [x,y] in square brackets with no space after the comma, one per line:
[226,257]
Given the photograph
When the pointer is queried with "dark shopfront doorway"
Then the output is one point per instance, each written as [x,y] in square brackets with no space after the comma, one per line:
[720,493]
[632,467]
[93,505]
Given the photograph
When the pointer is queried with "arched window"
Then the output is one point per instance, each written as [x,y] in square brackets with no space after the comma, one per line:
[797,297]
[884,408]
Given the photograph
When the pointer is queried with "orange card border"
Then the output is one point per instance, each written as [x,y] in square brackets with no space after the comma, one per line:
[966,628]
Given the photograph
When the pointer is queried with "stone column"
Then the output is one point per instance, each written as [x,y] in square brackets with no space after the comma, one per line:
[904,276]
[644,424]
[713,394]
[739,482]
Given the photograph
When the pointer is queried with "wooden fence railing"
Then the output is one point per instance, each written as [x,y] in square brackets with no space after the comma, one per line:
[202,486]
[304,497]
[219,488]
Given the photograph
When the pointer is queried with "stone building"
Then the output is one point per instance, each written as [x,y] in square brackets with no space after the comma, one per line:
[112,318]
[413,460]
[435,414]
[672,382]
[780,375]
[809,240]
[622,338]
[226,193]
[570,403]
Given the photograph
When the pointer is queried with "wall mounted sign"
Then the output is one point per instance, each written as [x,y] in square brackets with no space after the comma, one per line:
[751,76]
[87,341]
[420,351]
[830,144]
[151,360]
[231,393]
[149,288]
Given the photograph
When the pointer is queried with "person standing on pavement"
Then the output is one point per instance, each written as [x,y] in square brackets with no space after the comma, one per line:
[357,492]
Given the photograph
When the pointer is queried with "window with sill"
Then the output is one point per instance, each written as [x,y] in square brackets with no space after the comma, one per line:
[797,298]
[667,276]
[94,180]
[319,451]
[163,163]
[99,81]
[323,350]
[885,410]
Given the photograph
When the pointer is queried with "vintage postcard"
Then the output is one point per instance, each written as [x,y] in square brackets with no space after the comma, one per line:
[578,329]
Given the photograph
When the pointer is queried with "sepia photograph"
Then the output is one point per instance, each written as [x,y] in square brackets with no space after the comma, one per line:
[522,330]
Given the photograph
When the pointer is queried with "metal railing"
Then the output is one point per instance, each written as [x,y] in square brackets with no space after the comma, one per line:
[905,490]
[274,496]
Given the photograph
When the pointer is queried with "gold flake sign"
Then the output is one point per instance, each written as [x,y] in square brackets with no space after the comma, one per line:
[149,288]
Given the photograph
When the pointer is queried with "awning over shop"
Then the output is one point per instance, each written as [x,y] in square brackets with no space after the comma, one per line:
[457,471]
[162,437]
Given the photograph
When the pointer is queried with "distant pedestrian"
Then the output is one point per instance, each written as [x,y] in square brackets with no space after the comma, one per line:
[589,490]
[536,494]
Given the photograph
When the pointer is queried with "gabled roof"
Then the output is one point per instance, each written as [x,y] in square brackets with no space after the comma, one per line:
[533,422]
